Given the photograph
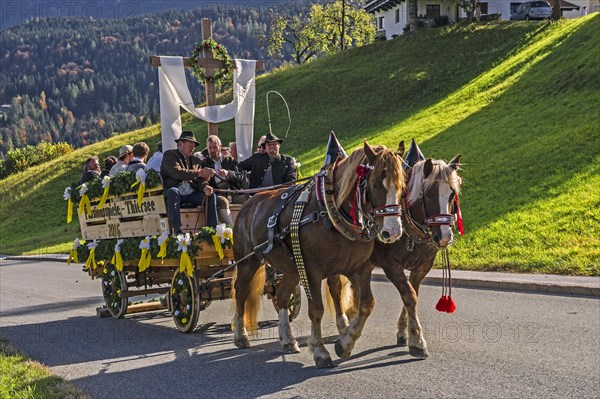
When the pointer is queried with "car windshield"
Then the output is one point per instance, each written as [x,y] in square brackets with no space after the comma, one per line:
[540,4]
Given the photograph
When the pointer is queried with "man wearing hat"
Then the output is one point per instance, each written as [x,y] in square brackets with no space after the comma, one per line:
[270,167]
[184,182]
[125,155]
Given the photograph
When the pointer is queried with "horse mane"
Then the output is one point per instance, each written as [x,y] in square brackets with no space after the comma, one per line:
[386,161]
[441,173]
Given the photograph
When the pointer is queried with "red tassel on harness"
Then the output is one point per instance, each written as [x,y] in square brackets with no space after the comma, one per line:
[450,305]
[459,221]
[441,304]
[446,303]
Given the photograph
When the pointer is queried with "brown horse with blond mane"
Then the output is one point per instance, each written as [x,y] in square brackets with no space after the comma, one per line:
[326,251]
[430,204]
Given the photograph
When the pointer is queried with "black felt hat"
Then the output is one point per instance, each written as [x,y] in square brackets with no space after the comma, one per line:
[187,135]
[271,137]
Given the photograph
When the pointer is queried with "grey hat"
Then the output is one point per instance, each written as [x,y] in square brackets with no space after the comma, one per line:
[124,150]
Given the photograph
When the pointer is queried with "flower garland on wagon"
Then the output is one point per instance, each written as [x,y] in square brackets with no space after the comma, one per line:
[151,247]
[115,186]
[221,76]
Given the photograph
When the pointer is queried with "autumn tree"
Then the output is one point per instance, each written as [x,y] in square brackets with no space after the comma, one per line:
[326,29]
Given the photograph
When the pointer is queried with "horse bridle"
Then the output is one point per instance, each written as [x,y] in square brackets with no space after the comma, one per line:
[337,215]
[423,229]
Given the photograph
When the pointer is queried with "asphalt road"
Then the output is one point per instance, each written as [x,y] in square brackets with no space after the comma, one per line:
[497,344]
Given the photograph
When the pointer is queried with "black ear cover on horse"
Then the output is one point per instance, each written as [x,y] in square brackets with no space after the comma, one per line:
[455,163]
[370,153]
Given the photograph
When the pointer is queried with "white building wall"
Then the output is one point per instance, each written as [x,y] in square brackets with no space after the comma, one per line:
[390,26]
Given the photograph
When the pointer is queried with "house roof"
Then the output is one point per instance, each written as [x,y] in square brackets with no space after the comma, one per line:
[566,6]
[381,5]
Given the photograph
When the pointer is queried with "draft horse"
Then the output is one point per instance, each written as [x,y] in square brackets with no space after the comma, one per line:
[326,251]
[428,218]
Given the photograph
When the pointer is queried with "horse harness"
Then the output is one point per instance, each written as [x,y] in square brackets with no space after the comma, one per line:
[331,214]
[421,232]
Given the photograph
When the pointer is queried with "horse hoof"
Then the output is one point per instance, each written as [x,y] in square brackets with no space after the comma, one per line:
[242,343]
[291,348]
[339,350]
[326,363]
[420,353]
[401,341]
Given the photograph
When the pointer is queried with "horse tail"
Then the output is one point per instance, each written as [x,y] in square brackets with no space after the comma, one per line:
[252,305]
[346,301]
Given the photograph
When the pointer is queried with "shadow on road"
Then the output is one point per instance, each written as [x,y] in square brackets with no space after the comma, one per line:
[135,358]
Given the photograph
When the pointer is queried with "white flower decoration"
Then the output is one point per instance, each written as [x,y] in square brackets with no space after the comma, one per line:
[176,313]
[140,176]
[118,245]
[162,238]
[76,243]
[182,242]
[145,243]
[105,181]
[67,193]
[92,245]
[83,189]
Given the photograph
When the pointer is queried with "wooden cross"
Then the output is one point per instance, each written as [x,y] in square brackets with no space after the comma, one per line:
[210,64]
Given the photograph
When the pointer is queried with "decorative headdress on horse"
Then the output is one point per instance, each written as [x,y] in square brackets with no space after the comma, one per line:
[334,150]
[413,155]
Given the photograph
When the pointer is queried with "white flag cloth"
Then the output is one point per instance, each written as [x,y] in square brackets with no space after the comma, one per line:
[174,93]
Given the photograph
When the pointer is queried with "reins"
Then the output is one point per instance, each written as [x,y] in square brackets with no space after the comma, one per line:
[261,189]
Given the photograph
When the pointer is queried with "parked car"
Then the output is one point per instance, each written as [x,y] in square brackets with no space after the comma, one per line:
[532,10]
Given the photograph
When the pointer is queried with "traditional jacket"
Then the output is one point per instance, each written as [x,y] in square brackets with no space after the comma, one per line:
[174,169]
[235,178]
[283,168]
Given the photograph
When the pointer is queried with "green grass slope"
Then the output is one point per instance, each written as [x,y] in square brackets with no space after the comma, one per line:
[517,100]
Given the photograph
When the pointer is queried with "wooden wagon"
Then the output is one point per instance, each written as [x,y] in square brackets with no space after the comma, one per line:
[186,294]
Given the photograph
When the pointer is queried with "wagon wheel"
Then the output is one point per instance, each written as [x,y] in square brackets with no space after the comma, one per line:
[293,305]
[185,301]
[113,283]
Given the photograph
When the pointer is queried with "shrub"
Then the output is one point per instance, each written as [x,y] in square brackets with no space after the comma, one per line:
[19,159]
[442,20]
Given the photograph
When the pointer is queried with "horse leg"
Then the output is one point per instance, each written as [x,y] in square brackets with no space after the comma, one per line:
[408,320]
[345,343]
[242,286]
[284,292]
[335,295]
[315,313]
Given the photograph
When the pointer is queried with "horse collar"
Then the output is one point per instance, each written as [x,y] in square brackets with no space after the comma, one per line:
[327,192]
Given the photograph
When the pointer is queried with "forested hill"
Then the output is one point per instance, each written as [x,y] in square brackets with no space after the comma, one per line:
[80,79]
[14,12]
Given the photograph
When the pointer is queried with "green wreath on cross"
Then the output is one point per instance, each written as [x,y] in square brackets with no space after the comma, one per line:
[221,75]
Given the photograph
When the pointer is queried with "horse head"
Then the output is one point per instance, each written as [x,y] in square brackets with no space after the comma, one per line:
[432,189]
[377,173]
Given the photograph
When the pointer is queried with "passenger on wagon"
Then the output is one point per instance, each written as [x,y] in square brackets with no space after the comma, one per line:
[270,168]
[91,170]
[109,162]
[227,175]
[156,158]
[140,153]
[125,155]
[184,182]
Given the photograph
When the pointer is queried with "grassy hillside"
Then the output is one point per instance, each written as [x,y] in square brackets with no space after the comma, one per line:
[518,100]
